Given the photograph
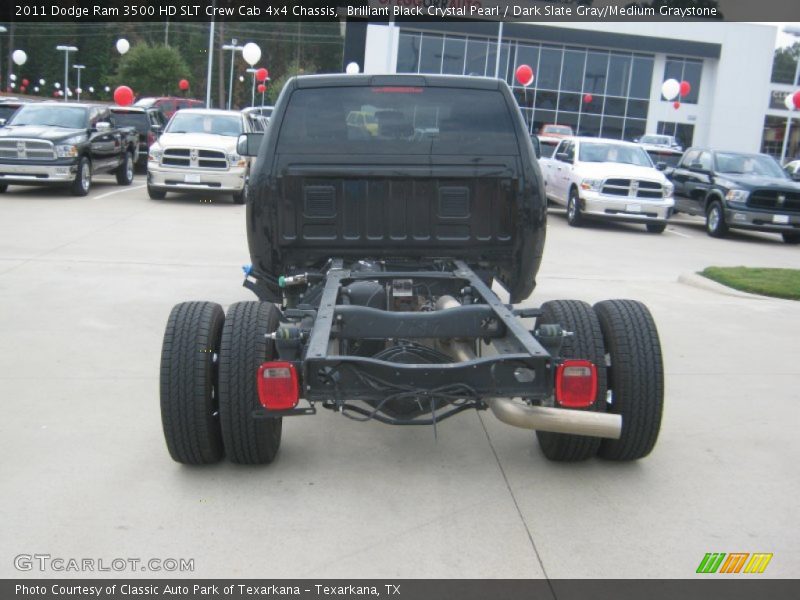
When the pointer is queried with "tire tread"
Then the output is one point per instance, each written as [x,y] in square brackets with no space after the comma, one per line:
[636,377]
[186,375]
[244,348]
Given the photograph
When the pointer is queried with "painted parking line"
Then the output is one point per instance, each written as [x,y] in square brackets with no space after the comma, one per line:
[125,189]
[680,234]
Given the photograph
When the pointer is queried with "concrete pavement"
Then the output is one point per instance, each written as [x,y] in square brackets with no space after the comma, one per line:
[86,285]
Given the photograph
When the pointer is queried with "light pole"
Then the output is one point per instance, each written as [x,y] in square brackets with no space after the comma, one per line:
[234,49]
[793,31]
[66,50]
[253,72]
[2,30]
[78,68]
[210,58]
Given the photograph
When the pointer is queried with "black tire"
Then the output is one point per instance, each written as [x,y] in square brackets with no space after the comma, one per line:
[156,194]
[241,197]
[189,398]
[635,377]
[587,343]
[715,220]
[3,188]
[124,172]
[82,183]
[574,216]
[245,346]
[656,227]
[791,238]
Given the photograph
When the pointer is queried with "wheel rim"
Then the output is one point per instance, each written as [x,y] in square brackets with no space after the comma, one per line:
[129,169]
[713,218]
[84,177]
[571,209]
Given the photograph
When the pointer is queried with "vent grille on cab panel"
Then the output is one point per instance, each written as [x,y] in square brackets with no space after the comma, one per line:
[319,201]
[454,202]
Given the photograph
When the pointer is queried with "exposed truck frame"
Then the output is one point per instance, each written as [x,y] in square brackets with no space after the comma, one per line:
[404,327]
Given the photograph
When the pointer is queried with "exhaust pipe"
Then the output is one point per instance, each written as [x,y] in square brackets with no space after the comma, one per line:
[557,420]
[541,418]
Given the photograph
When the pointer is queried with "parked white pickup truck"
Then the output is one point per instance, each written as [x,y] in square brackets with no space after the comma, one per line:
[197,151]
[608,179]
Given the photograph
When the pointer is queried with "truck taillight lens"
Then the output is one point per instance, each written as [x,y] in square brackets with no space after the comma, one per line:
[278,385]
[576,383]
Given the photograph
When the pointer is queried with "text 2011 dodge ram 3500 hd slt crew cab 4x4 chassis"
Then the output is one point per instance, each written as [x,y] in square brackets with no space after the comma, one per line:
[374,251]
[55,143]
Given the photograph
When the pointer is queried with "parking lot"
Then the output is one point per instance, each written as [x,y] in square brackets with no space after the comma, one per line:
[86,285]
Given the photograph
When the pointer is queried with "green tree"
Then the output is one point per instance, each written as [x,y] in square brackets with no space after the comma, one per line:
[152,70]
[276,85]
[785,63]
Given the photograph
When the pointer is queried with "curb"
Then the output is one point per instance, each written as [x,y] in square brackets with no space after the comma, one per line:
[704,283]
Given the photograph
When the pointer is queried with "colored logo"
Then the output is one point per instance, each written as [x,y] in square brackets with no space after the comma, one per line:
[735,562]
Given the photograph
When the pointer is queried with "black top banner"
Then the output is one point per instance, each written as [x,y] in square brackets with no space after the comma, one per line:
[427,10]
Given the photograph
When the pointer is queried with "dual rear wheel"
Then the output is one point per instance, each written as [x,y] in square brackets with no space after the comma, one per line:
[208,383]
[621,339]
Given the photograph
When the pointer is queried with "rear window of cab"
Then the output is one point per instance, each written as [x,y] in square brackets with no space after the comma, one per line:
[397,120]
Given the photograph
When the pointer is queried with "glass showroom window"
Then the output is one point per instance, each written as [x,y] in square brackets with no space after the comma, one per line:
[683,132]
[685,69]
[596,92]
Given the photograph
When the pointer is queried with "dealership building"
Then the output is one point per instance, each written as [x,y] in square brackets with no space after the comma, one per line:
[604,79]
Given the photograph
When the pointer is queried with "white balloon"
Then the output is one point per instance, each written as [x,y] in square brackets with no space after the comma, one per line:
[108,89]
[19,57]
[13,85]
[69,92]
[251,53]
[57,85]
[12,77]
[42,82]
[788,102]
[91,89]
[79,90]
[36,89]
[670,89]
[123,46]
[352,68]
[241,78]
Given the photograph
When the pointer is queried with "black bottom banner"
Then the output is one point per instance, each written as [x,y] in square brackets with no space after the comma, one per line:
[405,589]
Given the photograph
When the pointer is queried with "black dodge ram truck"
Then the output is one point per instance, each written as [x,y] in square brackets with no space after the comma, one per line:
[737,190]
[57,143]
[374,250]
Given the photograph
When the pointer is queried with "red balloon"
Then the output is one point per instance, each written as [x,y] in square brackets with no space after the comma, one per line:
[587,98]
[796,99]
[261,88]
[685,88]
[25,82]
[123,95]
[55,94]
[183,84]
[23,89]
[524,75]
[262,74]
[676,105]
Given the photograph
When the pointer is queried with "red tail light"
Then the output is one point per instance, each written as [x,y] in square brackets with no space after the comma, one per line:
[576,383]
[278,385]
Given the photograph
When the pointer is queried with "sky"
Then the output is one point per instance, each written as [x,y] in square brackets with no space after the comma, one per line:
[783,39]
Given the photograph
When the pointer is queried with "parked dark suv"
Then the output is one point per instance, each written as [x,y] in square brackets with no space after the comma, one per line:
[148,123]
[169,104]
[737,190]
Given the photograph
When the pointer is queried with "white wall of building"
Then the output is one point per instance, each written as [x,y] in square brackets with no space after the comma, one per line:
[734,90]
